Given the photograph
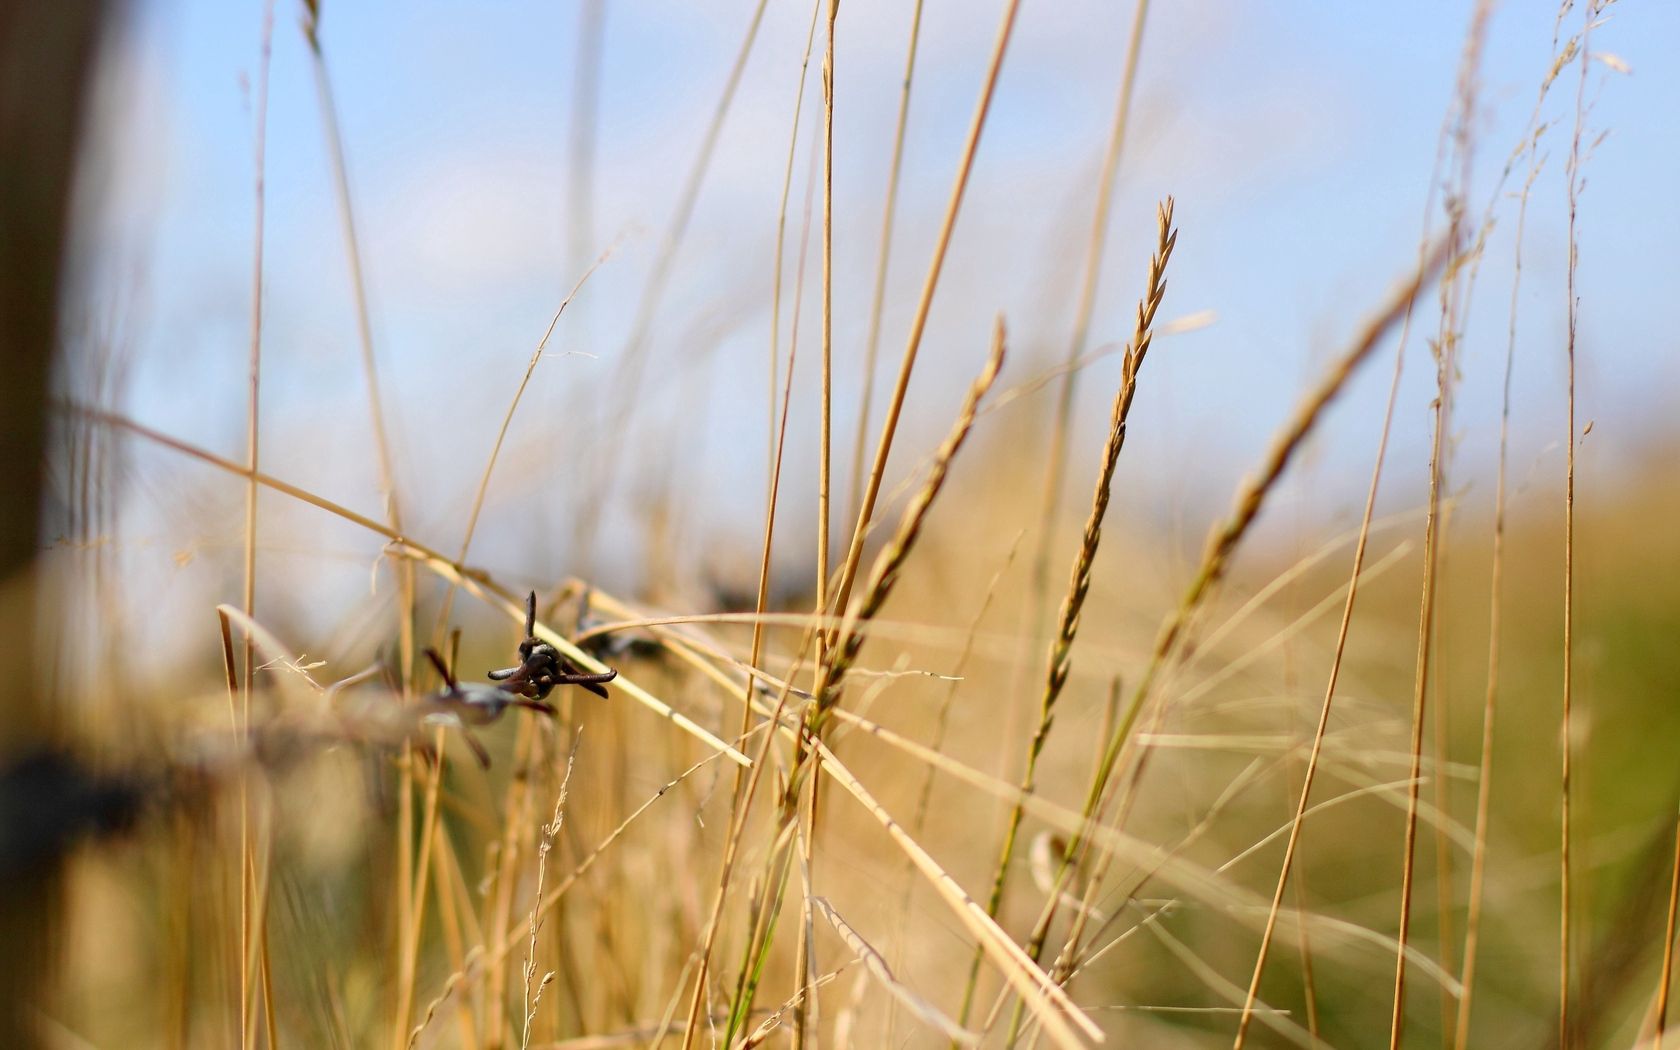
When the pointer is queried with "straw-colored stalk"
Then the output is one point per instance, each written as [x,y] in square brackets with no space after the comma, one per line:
[1079,584]
[891,560]
[1529,144]
[924,304]
[1222,544]
[632,361]
[1572,175]
[876,964]
[872,343]
[252,906]
[852,631]
[1095,244]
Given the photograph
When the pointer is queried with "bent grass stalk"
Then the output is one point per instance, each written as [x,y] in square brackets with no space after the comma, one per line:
[876,965]
[1061,1018]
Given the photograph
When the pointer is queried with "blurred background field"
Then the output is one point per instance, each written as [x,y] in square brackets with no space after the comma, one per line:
[671,159]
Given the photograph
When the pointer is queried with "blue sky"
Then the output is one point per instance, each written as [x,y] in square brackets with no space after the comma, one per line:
[1299,141]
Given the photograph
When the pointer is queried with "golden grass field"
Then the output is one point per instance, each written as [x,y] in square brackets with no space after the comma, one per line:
[994,739]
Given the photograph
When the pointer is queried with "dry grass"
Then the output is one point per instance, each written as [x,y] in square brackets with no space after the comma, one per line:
[796,818]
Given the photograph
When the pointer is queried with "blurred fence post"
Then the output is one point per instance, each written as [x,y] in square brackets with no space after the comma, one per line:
[46,54]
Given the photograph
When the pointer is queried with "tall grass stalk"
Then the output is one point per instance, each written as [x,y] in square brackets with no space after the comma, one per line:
[877,299]
[410,898]
[1665,978]
[1572,174]
[1096,241]
[1060,657]
[918,323]
[632,361]
[1252,996]
[1484,790]
[778,420]
[253,911]
[803,961]
[924,795]
[1445,366]
[1455,289]
[1222,543]
[851,632]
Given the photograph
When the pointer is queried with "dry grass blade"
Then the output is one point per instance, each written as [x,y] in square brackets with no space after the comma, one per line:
[1062,421]
[877,966]
[850,636]
[534,922]
[1202,884]
[476,583]
[889,426]
[825,428]
[804,963]
[1451,304]
[779,420]
[1079,585]
[450,986]
[1665,978]
[1572,175]
[924,795]
[115,421]
[477,505]
[247,876]
[1062,1020]
[1478,861]
[1276,1020]
[1224,539]
[1455,291]
[774,1021]
[491,954]
[490,593]
[1223,542]
[632,362]
[872,343]
[892,558]
[1198,883]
